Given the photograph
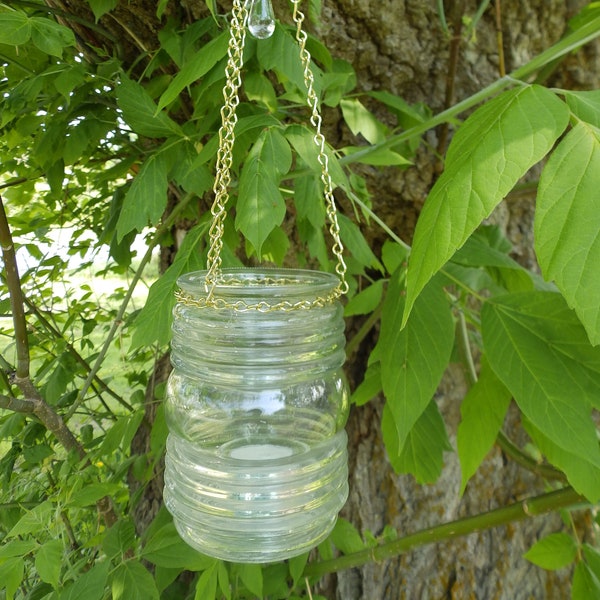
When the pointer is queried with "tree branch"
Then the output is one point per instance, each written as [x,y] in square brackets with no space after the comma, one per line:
[16,295]
[16,405]
[33,402]
[532,507]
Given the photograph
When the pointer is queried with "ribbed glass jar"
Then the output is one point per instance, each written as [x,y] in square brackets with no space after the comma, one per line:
[256,465]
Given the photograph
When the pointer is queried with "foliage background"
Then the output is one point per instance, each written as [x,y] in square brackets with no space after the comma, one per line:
[108,116]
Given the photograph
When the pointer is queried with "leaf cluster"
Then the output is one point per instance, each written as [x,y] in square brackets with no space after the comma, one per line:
[121,156]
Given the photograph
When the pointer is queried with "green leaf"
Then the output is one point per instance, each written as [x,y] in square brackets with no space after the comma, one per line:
[369,387]
[19,548]
[280,53]
[297,565]
[346,538]
[423,453]
[490,152]
[366,301]
[89,584]
[140,112]
[15,28]
[413,359]
[483,410]
[146,199]
[200,64]
[398,105]
[206,586]
[252,577]
[260,207]
[153,323]
[302,140]
[592,557]
[380,157]
[308,198]
[540,351]
[259,89]
[553,552]
[132,581]
[362,122]
[223,578]
[585,105]
[581,472]
[393,255]
[486,249]
[585,584]
[166,549]
[91,493]
[11,575]
[567,223]
[35,520]
[101,7]
[48,561]
[119,538]
[51,37]
[355,241]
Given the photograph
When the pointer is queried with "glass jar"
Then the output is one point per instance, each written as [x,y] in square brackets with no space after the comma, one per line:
[256,466]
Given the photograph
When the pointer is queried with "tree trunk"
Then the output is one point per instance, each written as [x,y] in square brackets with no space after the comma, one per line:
[399,46]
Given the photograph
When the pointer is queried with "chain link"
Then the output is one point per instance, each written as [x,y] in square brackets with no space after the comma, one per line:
[235,52]
[319,140]
[239,19]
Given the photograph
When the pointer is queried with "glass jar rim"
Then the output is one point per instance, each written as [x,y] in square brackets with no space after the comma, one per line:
[261,282]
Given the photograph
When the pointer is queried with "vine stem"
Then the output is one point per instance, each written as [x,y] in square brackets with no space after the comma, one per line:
[539,505]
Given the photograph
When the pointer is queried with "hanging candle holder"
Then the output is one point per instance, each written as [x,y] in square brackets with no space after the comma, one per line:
[256,464]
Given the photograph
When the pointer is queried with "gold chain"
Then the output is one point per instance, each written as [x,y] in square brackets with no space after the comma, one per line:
[233,82]
[319,140]
[235,51]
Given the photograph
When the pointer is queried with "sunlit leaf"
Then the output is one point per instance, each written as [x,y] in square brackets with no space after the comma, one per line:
[554,551]
[585,583]
[11,575]
[585,104]
[490,152]
[361,121]
[346,538]
[252,577]
[567,223]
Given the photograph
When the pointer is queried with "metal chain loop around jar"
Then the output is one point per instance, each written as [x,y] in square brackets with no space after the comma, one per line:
[239,20]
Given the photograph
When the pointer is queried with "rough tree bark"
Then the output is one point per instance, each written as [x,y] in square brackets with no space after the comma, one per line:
[398,45]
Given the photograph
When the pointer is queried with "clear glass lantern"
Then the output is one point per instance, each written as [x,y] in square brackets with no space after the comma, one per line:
[256,465]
